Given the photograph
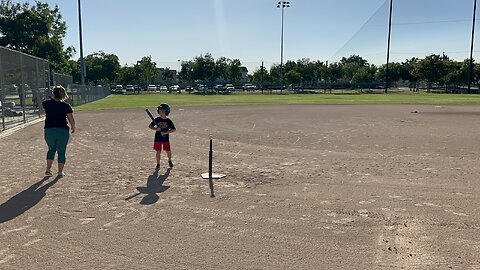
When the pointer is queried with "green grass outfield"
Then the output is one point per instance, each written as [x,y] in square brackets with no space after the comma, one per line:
[154,99]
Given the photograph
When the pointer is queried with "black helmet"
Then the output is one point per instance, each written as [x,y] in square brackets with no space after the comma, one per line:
[165,107]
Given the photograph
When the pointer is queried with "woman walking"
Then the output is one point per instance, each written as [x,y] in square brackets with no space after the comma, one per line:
[56,130]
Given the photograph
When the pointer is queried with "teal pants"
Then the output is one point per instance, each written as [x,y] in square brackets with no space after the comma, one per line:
[57,140]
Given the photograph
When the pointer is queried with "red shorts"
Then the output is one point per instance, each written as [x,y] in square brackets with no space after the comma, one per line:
[158,146]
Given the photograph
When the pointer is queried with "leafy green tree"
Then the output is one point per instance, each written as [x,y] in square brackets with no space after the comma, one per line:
[289,65]
[293,77]
[72,67]
[456,73]
[476,75]
[203,68]
[363,75]
[308,71]
[221,66]
[304,68]
[334,72]
[351,65]
[146,70]
[275,73]
[102,67]
[186,71]
[37,30]
[234,73]
[167,75]
[396,71]
[431,69]
[260,76]
[320,71]
[408,74]
[127,75]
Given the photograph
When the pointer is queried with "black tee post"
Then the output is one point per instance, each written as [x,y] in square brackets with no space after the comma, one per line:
[210,180]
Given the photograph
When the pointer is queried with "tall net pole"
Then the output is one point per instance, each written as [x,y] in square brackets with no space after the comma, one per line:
[388,46]
[470,63]
[82,61]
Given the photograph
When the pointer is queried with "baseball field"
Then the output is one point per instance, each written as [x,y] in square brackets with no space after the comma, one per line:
[307,186]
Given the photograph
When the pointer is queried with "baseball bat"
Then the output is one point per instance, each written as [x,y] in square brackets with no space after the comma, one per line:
[151,116]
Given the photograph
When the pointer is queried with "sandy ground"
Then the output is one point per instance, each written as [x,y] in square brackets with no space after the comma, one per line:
[307,187]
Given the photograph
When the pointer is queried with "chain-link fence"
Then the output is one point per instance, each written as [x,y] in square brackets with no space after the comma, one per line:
[61,79]
[26,80]
[81,94]
[23,82]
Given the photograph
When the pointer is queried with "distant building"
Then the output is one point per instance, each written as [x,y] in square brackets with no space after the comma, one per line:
[244,71]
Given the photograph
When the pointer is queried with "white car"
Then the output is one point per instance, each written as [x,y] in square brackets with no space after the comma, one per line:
[229,87]
[151,87]
[174,88]
[130,87]
[119,89]
[249,87]
[163,88]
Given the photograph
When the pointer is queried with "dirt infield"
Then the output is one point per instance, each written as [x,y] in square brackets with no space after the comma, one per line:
[307,187]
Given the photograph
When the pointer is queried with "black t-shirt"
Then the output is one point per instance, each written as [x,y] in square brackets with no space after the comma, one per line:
[56,113]
[165,125]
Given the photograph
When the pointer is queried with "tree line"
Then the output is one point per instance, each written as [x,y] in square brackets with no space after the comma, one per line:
[432,70]
[39,30]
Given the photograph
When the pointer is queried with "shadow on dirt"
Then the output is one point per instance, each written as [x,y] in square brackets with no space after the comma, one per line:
[154,186]
[20,203]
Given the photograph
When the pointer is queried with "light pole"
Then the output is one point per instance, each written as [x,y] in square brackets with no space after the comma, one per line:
[82,62]
[178,71]
[282,5]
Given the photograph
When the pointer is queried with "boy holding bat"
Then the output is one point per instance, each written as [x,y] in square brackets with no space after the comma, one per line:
[163,127]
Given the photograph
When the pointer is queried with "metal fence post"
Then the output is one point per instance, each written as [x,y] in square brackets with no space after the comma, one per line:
[2,92]
[21,91]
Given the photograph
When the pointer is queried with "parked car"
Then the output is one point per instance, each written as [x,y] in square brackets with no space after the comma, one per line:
[249,87]
[218,87]
[202,87]
[151,87]
[229,87]
[119,89]
[130,87]
[174,89]
[163,88]
[189,88]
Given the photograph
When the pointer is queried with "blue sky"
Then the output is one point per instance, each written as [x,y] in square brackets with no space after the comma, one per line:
[250,29]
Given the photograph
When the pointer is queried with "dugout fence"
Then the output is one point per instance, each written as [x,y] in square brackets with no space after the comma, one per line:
[26,80]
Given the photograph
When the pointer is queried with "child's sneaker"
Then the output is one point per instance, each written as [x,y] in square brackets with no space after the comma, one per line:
[170,163]
[60,174]
[48,173]
[157,167]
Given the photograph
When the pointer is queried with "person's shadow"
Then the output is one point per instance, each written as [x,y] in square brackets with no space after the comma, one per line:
[20,203]
[154,186]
